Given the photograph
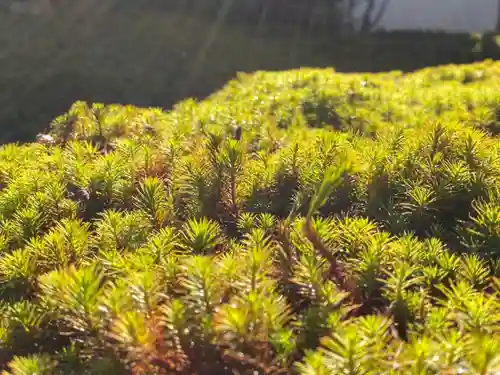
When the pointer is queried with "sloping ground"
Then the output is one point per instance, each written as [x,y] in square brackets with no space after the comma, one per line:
[299,222]
[100,51]
[137,52]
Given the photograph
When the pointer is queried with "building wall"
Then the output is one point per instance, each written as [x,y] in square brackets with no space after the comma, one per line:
[446,15]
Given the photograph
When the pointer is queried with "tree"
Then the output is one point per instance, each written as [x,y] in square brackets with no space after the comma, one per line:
[364,15]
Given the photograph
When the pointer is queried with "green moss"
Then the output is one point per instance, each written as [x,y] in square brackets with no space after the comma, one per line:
[303,222]
[144,55]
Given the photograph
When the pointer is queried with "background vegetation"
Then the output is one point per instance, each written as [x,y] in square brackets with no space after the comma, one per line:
[299,222]
[159,52]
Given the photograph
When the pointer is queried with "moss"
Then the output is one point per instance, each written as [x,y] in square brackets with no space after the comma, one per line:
[301,221]
[144,55]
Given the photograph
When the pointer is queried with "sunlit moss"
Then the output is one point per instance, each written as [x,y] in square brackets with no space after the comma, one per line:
[296,222]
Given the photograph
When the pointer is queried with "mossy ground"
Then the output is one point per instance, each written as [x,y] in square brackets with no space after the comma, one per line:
[135,52]
[304,222]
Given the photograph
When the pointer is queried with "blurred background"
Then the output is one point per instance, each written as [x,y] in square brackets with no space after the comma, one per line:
[158,52]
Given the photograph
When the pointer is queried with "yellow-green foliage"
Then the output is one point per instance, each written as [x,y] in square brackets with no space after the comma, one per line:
[300,222]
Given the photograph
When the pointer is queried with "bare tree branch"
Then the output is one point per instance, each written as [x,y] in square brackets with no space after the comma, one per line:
[366,20]
[369,20]
[381,11]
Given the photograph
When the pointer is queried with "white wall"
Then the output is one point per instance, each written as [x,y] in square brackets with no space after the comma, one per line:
[447,15]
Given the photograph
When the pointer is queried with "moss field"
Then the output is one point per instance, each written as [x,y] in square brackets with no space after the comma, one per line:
[300,222]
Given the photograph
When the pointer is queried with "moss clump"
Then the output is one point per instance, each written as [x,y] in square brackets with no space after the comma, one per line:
[301,222]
